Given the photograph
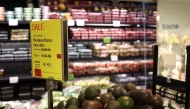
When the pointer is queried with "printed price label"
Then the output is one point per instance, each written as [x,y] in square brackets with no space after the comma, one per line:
[13,22]
[71,76]
[70,22]
[13,80]
[116,23]
[107,40]
[114,58]
[35,19]
[103,91]
[45,19]
[169,60]
[80,22]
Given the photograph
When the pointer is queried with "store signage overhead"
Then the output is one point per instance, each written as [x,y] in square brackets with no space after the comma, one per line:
[170,26]
[47,46]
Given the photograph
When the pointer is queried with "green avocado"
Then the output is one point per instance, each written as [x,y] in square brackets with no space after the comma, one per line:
[72,101]
[141,96]
[73,107]
[113,104]
[142,107]
[92,92]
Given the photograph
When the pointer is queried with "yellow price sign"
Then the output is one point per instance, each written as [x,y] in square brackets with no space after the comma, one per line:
[47,49]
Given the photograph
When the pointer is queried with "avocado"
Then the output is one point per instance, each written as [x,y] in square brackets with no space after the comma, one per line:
[118,92]
[142,107]
[128,93]
[60,105]
[115,86]
[113,104]
[72,101]
[130,86]
[56,107]
[73,107]
[91,92]
[126,102]
[90,104]
[141,96]
[81,98]
[157,101]
[97,99]
[104,98]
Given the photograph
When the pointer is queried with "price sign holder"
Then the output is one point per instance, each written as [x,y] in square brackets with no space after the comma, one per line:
[169,61]
[49,52]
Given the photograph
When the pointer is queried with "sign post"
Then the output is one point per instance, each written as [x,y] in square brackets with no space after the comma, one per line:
[49,51]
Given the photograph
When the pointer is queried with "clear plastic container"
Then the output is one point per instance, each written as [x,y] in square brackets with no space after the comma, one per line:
[73,54]
[24,94]
[23,49]
[72,49]
[20,52]
[70,45]
[78,45]
[7,92]
[85,51]
[7,56]
[9,88]
[21,55]
[86,56]
[7,96]
[21,58]
[8,49]
[39,89]
[80,48]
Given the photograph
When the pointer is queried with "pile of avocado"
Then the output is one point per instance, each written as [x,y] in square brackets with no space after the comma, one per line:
[118,97]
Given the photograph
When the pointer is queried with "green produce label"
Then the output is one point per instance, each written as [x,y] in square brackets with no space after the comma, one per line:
[107,40]
[71,76]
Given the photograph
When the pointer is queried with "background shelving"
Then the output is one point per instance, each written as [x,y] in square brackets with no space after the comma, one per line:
[22,68]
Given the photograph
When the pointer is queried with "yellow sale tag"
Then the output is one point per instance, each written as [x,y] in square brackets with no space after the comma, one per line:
[46,47]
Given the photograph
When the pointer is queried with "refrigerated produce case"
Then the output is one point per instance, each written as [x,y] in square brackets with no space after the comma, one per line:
[131,42]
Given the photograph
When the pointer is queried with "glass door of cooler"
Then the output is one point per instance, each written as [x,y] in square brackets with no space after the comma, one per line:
[172,39]
[112,39]
[146,29]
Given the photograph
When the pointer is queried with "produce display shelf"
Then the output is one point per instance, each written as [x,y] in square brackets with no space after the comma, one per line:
[11,41]
[22,98]
[106,74]
[106,58]
[19,22]
[121,25]
[13,61]
[78,40]
[90,58]
[175,84]
[21,77]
